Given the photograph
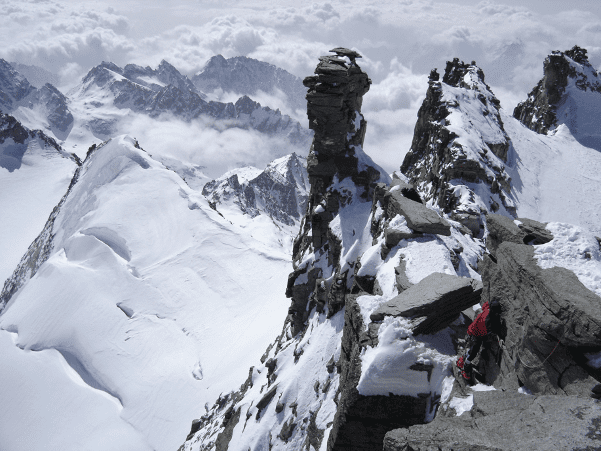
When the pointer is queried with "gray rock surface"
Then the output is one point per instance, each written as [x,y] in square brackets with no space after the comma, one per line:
[503,229]
[552,319]
[419,217]
[434,302]
[503,421]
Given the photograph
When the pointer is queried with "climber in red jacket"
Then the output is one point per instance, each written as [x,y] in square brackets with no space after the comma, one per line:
[488,322]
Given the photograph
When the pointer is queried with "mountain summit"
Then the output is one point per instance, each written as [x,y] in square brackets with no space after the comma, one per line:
[569,93]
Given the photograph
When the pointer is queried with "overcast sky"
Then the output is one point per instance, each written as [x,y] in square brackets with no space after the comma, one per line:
[400,40]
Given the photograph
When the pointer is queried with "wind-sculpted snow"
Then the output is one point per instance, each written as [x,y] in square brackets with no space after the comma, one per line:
[154,302]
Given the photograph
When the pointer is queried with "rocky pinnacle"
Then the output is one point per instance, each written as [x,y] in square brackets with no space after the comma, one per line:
[334,111]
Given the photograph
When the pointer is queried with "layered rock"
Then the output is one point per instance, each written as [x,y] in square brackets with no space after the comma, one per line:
[340,174]
[498,421]
[280,191]
[569,93]
[460,148]
[552,320]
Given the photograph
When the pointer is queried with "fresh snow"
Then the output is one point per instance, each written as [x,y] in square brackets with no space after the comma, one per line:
[157,302]
[575,249]
[386,368]
[29,194]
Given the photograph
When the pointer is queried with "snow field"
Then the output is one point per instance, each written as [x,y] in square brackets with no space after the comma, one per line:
[572,248]
[151,297]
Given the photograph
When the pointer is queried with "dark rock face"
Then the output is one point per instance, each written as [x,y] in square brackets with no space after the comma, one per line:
[444,163]
[539,111]
[552,320]
[503,229]
[16,91]
[497,422]
[280,191]
[433,303]
[247,76]
[334,110]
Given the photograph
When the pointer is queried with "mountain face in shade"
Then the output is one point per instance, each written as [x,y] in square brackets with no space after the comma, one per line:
[569,93]
[248,76]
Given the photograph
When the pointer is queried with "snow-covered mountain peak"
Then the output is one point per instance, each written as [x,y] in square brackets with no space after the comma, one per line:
[569,93]
[460,148]
[280,192]
[247,76]
[14,87]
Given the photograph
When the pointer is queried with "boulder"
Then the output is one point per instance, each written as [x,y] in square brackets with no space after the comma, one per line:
[419,217]
[434,302]
[503,421]
[522,231]
[552,320]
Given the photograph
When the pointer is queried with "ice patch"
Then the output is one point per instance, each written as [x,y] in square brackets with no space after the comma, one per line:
[594,360]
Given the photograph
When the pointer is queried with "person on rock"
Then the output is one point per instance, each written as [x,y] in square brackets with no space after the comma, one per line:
[483,330]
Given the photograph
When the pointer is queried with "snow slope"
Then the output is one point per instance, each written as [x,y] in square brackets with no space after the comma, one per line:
[554,178]
[149,306]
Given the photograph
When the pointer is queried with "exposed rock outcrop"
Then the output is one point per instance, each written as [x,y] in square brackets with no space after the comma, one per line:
[503,421]
[449,159]
[433,303]
[340,173]
[569,93]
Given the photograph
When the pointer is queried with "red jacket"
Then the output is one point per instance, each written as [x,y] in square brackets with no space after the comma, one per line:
[478,326]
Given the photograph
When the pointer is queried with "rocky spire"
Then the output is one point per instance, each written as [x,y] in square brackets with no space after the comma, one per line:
[338,172]
[558,97]
[459,142]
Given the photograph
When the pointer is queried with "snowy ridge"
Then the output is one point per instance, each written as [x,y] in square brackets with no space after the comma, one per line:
[569,93]
[460,148]
[138,278]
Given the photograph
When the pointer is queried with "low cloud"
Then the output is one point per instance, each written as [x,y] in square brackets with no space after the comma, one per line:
[215,145]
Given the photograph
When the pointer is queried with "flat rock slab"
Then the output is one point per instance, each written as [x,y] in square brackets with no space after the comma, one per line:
[419,217]
[436,300]
[503,421]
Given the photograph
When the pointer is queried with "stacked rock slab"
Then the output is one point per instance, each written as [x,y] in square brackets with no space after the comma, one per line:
[334,110]
[443,163]
[552,319]
[539,111]
[503,421]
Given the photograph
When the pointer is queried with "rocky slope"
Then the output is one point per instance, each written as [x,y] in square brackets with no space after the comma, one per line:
[460,149]
[280,191]
[328,381]
[44,107]
[166,91]
[569,93]
[248,76]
